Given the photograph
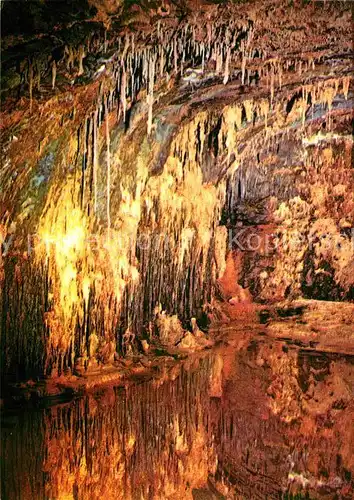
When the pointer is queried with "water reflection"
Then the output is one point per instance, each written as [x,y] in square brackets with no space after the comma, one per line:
[252,420]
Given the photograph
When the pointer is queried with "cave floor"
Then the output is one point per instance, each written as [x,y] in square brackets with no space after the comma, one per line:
[266,412]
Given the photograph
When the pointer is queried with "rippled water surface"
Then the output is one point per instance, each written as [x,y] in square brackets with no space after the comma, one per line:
[252,419]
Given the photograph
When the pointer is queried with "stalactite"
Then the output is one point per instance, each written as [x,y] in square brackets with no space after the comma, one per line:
[227,64]
[83,136]
[54,73]
[219,59]
[272,85]
[108,157]
[248,105]
[162,61]
[243,67]
[280,76]
[264,110]
[202,136]
[105,42]
[95,158]
[123,91]
[150,92]
[238,117]
[30,82]
[345,84]
[81,54]
[232,121]
[38,68]
[126,47]
[175,55]
[303,105]
[70,57]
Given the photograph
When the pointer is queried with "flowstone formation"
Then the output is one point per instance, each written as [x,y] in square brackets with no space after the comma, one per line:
[137,140]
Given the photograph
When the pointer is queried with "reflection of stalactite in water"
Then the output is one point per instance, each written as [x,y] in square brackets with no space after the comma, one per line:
[221,419]
[23,452]
[148,439]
